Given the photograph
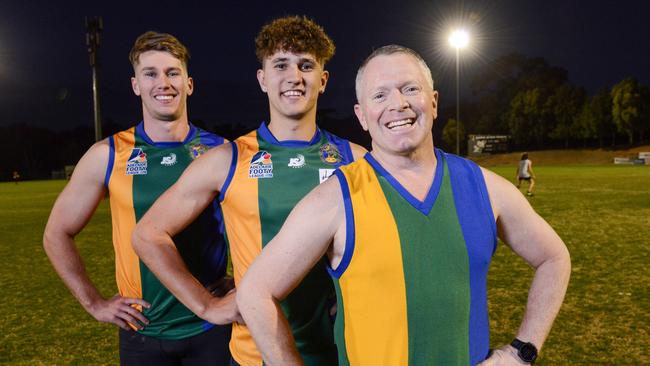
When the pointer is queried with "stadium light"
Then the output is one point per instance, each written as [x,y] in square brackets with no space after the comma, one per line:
[458,39]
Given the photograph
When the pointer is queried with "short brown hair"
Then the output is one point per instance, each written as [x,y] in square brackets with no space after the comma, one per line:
[154,41]
[388,50]
[297,34]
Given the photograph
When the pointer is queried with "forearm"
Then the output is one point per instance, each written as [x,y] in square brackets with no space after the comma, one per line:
[545,299]
[163,259]
[269,328]
[62,252]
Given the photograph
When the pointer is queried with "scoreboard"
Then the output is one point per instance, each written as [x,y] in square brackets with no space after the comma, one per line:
[488,144]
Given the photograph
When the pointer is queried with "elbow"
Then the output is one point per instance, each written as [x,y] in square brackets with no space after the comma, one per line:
[138,239]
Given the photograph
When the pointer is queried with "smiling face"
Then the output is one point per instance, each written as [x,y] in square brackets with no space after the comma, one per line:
[293,82]
[162,82]
[397,104]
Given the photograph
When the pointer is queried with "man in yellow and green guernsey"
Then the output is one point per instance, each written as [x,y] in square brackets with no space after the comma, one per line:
[134,167]
[259,178]
[409,232]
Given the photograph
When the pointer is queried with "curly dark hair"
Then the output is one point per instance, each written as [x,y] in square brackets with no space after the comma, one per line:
[154,41]
[297,34]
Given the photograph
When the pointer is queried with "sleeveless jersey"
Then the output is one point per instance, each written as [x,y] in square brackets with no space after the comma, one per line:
[267,178]
[524,165]
[411,285]
[139,171]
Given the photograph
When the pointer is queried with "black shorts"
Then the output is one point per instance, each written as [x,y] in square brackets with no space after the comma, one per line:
[525,178]
[207,348]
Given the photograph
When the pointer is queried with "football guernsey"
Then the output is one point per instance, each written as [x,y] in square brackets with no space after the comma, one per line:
[139,171]
[411,285]
[267,178]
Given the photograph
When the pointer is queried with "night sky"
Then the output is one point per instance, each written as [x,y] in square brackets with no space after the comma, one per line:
[45,78]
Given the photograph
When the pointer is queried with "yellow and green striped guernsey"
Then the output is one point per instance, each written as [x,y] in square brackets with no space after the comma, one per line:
[139,171]
[411,286]
[266,180]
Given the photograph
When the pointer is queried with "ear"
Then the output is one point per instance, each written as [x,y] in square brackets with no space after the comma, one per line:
[261,80]
[359,113]
[434,101]
[134,86]
[324,77]
[190,85]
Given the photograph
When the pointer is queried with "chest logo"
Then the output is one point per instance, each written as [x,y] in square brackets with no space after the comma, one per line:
[168,160]
[137,163]
[197,150]
[261,165]
[297,162]
[329,154]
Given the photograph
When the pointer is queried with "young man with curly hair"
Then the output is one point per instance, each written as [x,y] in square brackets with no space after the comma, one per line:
[259,178]
[134,167]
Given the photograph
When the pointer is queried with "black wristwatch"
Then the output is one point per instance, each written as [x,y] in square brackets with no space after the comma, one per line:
[526,351]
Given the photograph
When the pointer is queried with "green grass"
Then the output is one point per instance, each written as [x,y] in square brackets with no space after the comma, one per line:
[601,212]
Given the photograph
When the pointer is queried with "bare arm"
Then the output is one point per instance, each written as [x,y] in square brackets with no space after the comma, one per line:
[71,212]
[304,238]
[171,213]
[528,235]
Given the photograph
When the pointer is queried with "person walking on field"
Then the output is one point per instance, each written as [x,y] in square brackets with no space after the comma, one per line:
[525,172]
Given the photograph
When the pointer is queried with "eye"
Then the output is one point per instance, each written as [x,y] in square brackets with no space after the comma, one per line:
[173,73]
[307,66]
[379,96]
[280,66]
[411,90]
[150,74]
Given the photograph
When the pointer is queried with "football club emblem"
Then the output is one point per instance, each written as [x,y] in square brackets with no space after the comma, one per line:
[297,162]
[137,163]
[261,165]
[329,154]
[197,150]
[169,160]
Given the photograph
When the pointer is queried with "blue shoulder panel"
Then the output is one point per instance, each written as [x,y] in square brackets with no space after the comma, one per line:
[479,230]
[343,146]
[111,160]
[349,228]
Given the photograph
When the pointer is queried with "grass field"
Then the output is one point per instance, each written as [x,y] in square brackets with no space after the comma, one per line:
[601,212]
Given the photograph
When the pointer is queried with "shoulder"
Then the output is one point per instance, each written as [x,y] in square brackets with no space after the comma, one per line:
[209,138]
[358,151]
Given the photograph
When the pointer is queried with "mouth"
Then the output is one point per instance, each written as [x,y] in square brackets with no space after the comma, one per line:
[293,93]
[400,124]
[164,97]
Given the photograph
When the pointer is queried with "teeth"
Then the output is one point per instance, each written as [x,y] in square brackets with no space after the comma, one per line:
[164,97]
[292,93]
[402,122]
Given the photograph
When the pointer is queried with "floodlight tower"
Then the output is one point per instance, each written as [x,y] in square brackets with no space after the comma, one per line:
[94,26]
[458,39]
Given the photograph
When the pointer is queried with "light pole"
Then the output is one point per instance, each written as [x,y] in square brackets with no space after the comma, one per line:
[458,39]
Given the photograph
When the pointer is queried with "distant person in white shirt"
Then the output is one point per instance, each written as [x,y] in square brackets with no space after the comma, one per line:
[525,172]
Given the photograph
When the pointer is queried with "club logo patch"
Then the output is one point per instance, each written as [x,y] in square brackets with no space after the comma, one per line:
[323,174]
[329,154]
[137,163]
[197,150]
[297,162]
[169,160]
[261,165]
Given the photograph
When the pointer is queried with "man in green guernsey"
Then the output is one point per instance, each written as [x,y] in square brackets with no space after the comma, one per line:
[409,232]
[133,168]
[258,178]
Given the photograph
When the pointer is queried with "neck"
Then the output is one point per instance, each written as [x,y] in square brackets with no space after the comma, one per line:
[296,129]
[167,131]
[421,159]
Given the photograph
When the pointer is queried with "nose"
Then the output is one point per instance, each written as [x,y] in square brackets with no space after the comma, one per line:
[294,75]
[397,101]
[163,82]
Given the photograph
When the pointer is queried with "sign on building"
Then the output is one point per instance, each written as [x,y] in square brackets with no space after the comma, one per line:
[488,144]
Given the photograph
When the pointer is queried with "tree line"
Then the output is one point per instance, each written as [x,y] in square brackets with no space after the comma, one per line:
[536,104]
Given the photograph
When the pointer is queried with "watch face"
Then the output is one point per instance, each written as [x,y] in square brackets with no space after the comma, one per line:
[527,352]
